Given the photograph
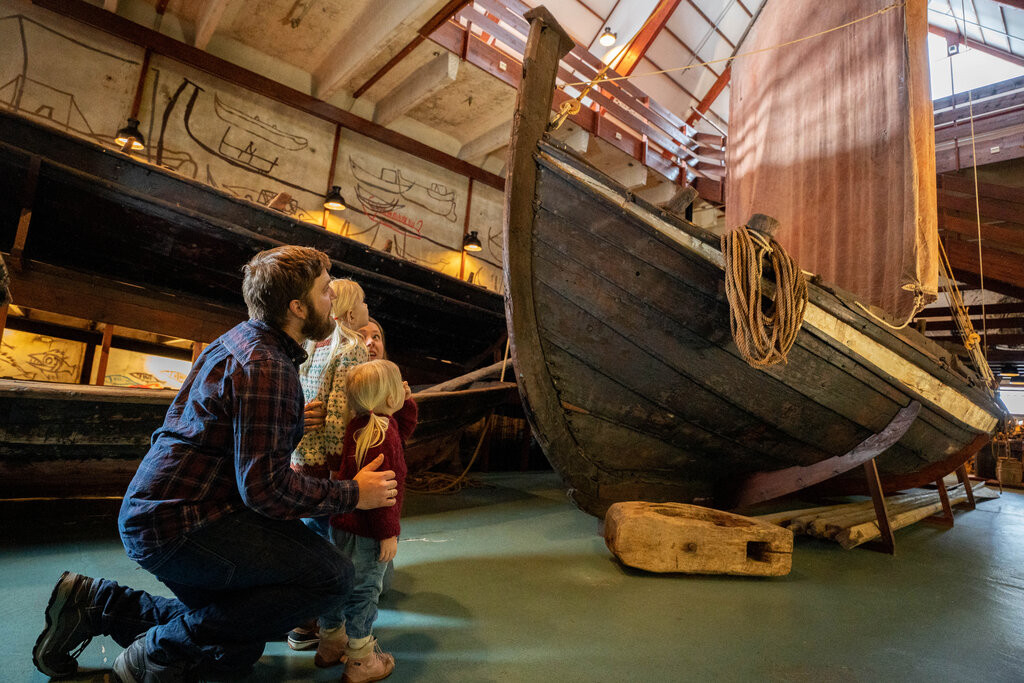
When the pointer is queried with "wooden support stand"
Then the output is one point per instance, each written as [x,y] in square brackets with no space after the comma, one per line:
[946,518]
[887,542]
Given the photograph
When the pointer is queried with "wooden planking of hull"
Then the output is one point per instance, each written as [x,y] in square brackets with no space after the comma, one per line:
[621,340]
[73,440]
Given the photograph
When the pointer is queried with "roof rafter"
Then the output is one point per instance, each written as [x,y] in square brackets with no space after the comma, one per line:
[976,45]
[637,48]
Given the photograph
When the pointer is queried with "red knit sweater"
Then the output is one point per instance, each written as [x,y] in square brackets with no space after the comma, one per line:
[379,523]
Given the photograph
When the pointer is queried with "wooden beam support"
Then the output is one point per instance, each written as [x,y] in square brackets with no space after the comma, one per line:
[63,291]
[446,12]
[716,89]
[638,46]
[999,265]
[477,149]
[1008,234]
[976,45]
[101,369]
[28,196]
[365,38]
[421,84]
[85,13]
[975,310]
[1003,148]
[110,5]
[206,26]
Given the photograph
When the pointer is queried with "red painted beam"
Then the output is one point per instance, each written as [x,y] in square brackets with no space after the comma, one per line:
[637,48]
[716,89]
[974,44]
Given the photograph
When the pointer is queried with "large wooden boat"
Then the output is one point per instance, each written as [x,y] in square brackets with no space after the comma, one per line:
[70,440]
[624,358]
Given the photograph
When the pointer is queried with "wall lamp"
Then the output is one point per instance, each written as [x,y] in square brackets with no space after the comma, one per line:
[471,242]
[334,201]
[608,37]
[130,137]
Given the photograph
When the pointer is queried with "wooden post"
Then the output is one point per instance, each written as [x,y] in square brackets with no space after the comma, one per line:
[961,474]
[330,173]
[465,231]
[946,518]
[887,543]
[3,318]
[28,197]
[101,371]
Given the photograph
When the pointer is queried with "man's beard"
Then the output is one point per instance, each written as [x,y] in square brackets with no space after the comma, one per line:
[318,328]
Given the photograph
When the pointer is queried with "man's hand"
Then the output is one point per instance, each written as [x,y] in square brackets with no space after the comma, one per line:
[376,489]
[388,549]
[314,415]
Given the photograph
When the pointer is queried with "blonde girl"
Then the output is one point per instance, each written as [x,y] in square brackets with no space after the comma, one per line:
[323,380]
[383,417]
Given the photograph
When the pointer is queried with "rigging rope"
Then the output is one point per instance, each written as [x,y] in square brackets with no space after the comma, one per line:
[763,339]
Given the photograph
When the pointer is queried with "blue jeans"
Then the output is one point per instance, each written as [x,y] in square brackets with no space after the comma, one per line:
[359,610]
[240,581]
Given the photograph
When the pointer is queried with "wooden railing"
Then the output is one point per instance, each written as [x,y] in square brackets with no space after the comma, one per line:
[491,34]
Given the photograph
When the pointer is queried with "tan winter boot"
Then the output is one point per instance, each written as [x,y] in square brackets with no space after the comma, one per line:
[366,661]
[331,649]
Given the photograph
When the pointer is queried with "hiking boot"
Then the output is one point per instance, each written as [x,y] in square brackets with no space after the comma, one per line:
[304,637]
[67,630]
[363,667]
[331,650]
[133,665]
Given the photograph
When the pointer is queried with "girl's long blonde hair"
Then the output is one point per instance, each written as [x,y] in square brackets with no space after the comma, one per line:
[374,389]
[347,295]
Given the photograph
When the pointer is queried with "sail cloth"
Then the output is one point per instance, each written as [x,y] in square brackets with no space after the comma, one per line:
[834,137]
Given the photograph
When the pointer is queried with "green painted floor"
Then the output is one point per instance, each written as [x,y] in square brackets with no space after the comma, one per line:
[510,582]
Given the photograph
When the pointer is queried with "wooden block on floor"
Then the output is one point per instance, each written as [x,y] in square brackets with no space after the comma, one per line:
[674,537]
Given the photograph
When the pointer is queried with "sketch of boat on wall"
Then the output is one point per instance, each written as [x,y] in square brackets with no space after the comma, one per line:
[390,190]
[620,334]
[34,91]
[235,141]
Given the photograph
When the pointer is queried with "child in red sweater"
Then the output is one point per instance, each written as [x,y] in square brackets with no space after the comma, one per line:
[383,416]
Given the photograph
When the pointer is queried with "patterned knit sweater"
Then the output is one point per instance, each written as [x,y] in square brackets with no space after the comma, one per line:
[323,381]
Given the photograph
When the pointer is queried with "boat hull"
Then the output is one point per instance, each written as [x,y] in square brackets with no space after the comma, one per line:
[660,405]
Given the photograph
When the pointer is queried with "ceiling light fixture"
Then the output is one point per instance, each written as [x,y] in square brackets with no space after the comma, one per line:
[471,242]
[130,137]
[334,201]
[608,37]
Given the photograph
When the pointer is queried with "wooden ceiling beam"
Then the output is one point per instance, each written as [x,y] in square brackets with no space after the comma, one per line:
[432,24]
[998,209]
[1009,308]
[127,30]
[418,86]
[716,89]
[365,38]
[1003,266]
[952,37]
[637,48]
[206,26]
[1017,4]
[1009,235]
[477,149]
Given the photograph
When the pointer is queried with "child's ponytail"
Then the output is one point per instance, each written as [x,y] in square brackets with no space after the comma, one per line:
[370,436]
[372,387]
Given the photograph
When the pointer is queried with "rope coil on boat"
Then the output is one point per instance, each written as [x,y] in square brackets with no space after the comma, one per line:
[763,338]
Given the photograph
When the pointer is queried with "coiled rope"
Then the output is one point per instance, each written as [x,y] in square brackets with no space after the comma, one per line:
[763,338]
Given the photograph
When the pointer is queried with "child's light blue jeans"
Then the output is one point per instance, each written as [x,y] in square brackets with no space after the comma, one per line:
[359,611]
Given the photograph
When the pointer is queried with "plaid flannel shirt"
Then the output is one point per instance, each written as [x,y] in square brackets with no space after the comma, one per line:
[226,444]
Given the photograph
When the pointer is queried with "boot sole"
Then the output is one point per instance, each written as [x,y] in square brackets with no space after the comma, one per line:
[58,599]
[346,679]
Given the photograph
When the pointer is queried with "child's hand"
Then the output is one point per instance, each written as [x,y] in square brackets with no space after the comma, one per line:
[388,549]
[408,391]
[314,415]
